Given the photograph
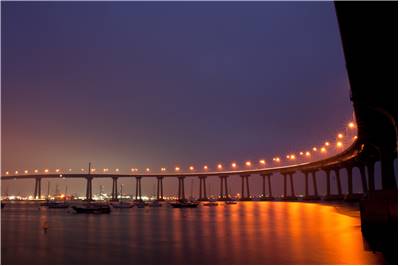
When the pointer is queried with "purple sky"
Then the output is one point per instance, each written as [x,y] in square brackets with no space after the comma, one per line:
[162,84]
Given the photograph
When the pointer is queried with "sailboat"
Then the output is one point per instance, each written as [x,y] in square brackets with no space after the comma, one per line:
[211,202]
[122,204]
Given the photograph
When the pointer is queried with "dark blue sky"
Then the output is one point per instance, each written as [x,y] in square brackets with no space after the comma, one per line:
[160,84]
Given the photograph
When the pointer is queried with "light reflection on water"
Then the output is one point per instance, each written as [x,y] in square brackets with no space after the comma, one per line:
[246,233]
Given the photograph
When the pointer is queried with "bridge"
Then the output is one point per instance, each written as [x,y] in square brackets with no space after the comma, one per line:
[348,159]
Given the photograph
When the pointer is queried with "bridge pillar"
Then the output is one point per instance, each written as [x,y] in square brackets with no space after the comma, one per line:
[181,188]
[264,194]
[314,179]
[361,168]
[284,186]
[328,182]
[203,190]
[306,184]
[293,194]
[349,170]
[114,194]
[138,195]
[226,188]
[371,175]
[338,182]
[269,186]
[221,187]
[387,170]
[89,188]
[263,186]
[160,194]
[245,183]
[38,188]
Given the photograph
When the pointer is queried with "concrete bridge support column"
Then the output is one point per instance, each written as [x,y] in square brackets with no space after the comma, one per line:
[363,174]
[114,194]
[328,182]
[202,191]
[306,184]
[269,186]
[349,170]
[284,185]
[263,186]
[38,188]
[338,182]
[387,170]
[245,187]
[226,187]
[293,194]
[314,179]
[181,188]
[138,195]
[160,192]
[371,175]
[221,187]
[89,188]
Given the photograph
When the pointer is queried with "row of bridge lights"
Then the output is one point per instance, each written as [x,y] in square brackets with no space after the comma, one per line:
[234,165]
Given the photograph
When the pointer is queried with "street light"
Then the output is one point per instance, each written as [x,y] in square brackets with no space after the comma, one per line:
[327,143]
[177,169]
[46,170]
[191,168]
[351,125]
[248,163]
[340,136]
[234,165]
[219,166]
[262,162]
[339,144]
[205,167]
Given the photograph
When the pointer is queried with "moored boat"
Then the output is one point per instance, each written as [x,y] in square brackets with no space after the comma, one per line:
[184,204]
[155,203]
[230,202]
[55,204]
[92,208]
[122,205]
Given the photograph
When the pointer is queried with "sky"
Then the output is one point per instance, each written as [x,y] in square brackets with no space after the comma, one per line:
[133,84]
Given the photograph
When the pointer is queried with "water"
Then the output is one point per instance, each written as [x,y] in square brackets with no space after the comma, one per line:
[246,233]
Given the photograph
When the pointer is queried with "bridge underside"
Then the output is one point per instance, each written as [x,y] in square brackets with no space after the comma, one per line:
[369,37]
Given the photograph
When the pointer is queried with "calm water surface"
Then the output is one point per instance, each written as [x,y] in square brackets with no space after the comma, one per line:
[246,233]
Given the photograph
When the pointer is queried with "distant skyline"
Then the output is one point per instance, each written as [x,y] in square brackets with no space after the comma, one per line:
[135,85]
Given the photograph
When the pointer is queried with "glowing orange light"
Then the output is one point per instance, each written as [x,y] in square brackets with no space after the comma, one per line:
[46,170]
[7,172]
[327,143]
[301,153]
[262,162]
[191,168]
[323,149]
[292,157]
[288,156]
[219,166]
[355,137]
[308,153]
[177,168]
[117,170]
[147,169]
[339,144]
[36,171]
[351,125]
[70,169]
[163,169]
[16,172]
[340,135]
[234,165]
[26,171]
[205,167]
[314,149]
[93,170]
[248,163]
[82,169]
